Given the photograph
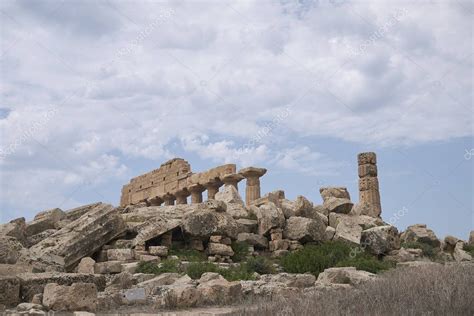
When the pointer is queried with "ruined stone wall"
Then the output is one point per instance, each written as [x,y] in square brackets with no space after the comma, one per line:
[171,182]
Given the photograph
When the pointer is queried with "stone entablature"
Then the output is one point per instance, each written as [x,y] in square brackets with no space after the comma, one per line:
[174,181]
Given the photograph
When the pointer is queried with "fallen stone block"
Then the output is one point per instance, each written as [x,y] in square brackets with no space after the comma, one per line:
[161,251]
[34,283]
[77,297]
[9,291]
[44,221]
[108,267]
[120,254]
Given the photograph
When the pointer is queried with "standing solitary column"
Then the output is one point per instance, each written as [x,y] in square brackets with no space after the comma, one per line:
[196,193]
[369,193]
[252,190]
[232,179]
[212,188]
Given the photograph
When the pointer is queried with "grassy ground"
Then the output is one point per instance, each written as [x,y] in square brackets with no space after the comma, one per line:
[427,290]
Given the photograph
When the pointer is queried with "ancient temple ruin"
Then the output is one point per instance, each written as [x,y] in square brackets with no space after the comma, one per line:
[174,182]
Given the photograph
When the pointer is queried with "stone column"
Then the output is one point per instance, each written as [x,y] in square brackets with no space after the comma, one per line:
[212,188]
[196,193]
[252,191]
[232,179]
[369,193]
[182,197]
[169,199]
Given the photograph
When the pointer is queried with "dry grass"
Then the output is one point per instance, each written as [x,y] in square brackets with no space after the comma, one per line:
[428,290]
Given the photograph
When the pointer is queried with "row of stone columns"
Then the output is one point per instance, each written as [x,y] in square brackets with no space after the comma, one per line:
[252,190]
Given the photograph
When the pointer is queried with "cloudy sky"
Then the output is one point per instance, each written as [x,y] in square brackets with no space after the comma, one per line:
[96,92]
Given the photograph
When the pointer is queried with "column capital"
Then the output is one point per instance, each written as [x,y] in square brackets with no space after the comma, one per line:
[196,187]
[232,178]
[252,172]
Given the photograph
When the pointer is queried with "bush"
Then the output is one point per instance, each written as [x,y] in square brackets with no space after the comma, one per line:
[167,265]
[196,269]
[261,265]
[367,263]
[316,258]
[188,254]
[237,273]
[241,251]
[469,248]
[428,250]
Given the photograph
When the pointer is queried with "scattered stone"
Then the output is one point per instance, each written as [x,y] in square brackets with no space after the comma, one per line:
[204,223]
[247,225]
[134,296]
[258,241]
[218,291]
[15,228]
[304,229]
[108,267]
[161,251]
[337,205]
[9,291]
[460,254]
[268,216]
[344,275]
[449,243]
[334,192]
[329,233]
[404,255]
[10,249]
[77,297]
[120,254]
[420,233]
[380,240]
[24,307]
[290,279]
[33,240]
[44,220]
[280,244]
[219,249]
[229,195]
[86,265]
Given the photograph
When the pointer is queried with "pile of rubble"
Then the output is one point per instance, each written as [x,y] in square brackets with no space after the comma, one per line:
[87,258]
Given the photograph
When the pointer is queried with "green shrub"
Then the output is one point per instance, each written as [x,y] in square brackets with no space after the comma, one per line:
[316,258]
[261,265]
[167,265]
[428,250]
[237,273]
[196,269]
[241,251]
[191,255]
[469,248]
[367,263]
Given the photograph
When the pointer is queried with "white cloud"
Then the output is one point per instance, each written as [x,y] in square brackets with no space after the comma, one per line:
[223,70]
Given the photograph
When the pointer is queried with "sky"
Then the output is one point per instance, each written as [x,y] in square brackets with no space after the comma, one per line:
[94,93]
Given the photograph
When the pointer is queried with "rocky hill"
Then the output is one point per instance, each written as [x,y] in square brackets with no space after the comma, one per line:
[99,257]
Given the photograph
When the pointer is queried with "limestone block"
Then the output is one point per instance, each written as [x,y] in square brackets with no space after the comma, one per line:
[345,275]
[280,244]
[269,216]
[10,250]
[86,265]
[338,205]
[108,267]
[258,241]
[120,254]
[77,297]
[380,240]
[9,291]
[334,192]
[44,220]
[161,251]
[219,249]
[305,229]
[420,233]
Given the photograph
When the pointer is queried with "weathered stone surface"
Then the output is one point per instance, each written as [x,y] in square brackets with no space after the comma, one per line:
[215,205]
[404,255]
[237,211]
[78,239]
[247,225]
[130,267]
[75,213]
[305,229]
[380,240]
[459,254]
[15,228]
[10,249]
[229,194]
[133,296]
[329,233]
[338,205]
[268,216]
[77,297]
[334,192]
[258,241]
[25,307]
[44,220]
[34,283]
[471,238]
[368,185]
[219,249]
[204,223]
[348,231]
[86,265]
[365,209]
[182,295]
[449,243]
[9,291]
[302,206]
[109,267]
[288,208]
[161,251]
[274,197]
[120,254]
[153,285]
[33,240]
[344,275]
[290,279]
[420,233]
[218,291]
